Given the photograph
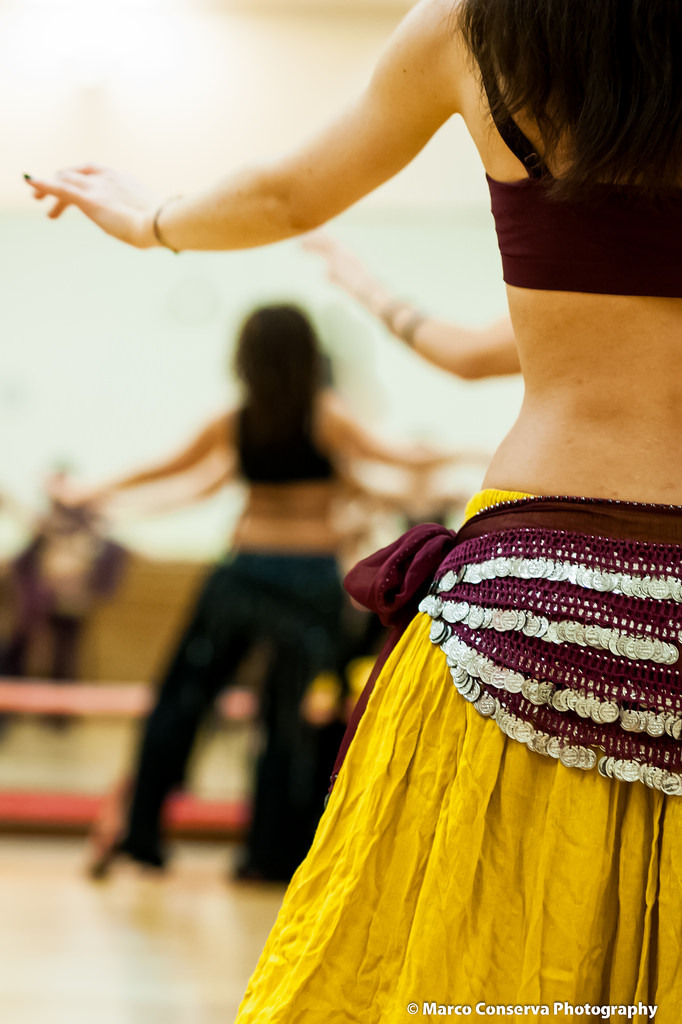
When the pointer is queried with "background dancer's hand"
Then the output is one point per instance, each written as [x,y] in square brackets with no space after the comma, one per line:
[116,202]
[347,271]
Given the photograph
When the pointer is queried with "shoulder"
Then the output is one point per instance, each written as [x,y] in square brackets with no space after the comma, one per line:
[434,24]
[429,43]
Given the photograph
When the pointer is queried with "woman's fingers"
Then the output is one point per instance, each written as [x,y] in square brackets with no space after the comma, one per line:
[58,209]
[72,176]
[69,188]
[68,185]
[117,203]
[38,190]
[44,187]
[65,195]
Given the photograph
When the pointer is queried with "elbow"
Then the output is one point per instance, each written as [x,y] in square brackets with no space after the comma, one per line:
[471,367]
[477,364]
[290,203]
[302,219]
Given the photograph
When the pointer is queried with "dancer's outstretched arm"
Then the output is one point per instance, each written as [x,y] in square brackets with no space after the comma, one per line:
[213,441]
[415,88]
[343,435]
[203,467]
[469,352]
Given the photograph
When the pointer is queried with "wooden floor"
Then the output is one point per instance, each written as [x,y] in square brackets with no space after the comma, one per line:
[91,754]
[131,950]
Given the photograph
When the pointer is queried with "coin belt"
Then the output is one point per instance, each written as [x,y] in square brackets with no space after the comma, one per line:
[517,701]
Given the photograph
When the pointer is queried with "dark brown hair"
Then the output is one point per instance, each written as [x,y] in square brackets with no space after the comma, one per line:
[279,362]
[602,77]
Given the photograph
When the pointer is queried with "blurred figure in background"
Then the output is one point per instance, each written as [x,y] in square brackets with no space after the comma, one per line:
[68,566]
[13,512]
[289,441]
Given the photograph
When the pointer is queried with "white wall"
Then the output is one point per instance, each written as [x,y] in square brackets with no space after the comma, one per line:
[110,357]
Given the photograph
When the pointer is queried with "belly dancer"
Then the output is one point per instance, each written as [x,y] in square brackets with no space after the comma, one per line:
[507,825]
[278,590]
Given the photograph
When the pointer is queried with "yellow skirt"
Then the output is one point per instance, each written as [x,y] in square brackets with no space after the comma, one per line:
[454,868]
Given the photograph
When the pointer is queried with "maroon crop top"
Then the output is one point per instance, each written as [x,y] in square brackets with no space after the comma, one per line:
[621,244]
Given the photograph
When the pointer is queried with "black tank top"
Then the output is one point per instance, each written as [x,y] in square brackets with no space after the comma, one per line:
[292,461]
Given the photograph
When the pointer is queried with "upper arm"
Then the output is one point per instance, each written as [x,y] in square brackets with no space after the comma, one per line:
[414,89]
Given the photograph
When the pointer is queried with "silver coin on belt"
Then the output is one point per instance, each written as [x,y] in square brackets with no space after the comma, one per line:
[563,631]
[666,587]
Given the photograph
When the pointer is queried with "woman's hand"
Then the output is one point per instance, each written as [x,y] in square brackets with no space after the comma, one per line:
[116,202]
[345,269]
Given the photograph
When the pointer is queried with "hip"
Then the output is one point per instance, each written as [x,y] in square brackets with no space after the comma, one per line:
[561,619]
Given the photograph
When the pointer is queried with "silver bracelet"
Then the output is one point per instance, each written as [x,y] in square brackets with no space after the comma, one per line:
[155,224]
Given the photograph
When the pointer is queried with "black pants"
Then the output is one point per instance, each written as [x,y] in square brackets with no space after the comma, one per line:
[291,603]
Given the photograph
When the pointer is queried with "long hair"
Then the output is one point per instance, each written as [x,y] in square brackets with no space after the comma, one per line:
[602,79]
[279,363]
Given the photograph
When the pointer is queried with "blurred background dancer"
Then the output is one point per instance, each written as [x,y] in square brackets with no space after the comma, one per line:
[292,440]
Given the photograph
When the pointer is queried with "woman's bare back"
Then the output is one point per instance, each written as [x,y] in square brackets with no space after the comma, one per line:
[602,410]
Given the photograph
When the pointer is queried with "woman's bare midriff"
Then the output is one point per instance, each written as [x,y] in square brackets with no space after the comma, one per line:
[602,412]
[294,517]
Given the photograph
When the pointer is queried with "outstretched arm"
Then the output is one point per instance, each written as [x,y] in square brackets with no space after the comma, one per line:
[467,352]
[199,469]
[415,88]
[213,442]
[342,434]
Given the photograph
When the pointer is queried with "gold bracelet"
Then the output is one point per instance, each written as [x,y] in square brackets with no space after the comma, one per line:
[155,223]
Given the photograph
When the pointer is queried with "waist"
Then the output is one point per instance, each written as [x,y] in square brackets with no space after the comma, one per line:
[287,535]
[557,451]
[310,499]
